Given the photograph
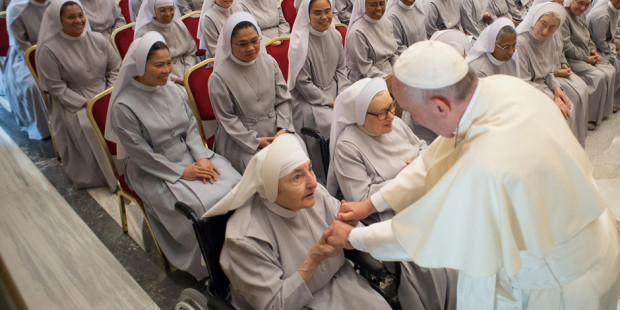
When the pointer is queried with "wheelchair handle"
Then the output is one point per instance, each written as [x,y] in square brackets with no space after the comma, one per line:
[311,132]
[186,210]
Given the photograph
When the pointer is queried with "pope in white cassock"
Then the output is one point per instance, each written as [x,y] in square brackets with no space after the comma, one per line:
[505,194]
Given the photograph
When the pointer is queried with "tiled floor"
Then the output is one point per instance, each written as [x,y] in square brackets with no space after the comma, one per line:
[99,208]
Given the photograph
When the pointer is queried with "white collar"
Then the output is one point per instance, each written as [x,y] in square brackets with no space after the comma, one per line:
[494,60]
[241,62]
[468,109]
[72,38]
[369,19]
[316,32]
[403,6]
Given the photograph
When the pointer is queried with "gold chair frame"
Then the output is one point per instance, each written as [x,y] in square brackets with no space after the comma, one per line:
[116,31]
[277,39]
[192,101]
[45,94]
[190,14]
[120,193]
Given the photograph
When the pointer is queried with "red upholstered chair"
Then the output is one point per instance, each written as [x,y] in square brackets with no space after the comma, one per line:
[192,22]
[122,37]
[124,5]
[280,53]
[342,28]
[4,35]
[289,11]
[29,56]
[97,108]
[196,83]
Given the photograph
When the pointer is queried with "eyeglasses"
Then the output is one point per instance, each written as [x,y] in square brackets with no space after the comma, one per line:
[319,13]
[245,44]
[383,114]
[376,4]
[506,47]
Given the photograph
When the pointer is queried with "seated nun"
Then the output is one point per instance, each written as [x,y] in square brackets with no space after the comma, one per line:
[268,15]
[163,17]
[166,160]
[604,31]
[407,17]
[370,147]
[495,50]
[476,15]
[250,99]
[275,253]
[212,17]
[344,8]
[317,73]
[104,16]
[440,15]
[188,6]
[370,48]
[539,60]
[74,65]
[583,59]
[23,24]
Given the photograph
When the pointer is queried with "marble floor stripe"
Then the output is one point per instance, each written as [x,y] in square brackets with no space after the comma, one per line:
[52,256]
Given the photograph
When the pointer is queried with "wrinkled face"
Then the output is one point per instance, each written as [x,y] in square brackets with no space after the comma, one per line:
[320,15]
[577,7]
[157,69]
[546,26]
[164,14]
[375,9]
[615,4]
[380,114]
[246,44]
[505,47]
[296,189]
[73,20]
[224,3]
[408,2]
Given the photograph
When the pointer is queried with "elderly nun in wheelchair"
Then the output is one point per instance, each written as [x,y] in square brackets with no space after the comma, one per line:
[275,252]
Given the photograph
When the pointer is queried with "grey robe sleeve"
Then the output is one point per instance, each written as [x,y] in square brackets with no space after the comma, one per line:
[256,274]
[192,138]
[135,5]
[399,34]
[570,50]
[49,69]
[223,106]
[210,34]
[344,10]
[19,33]
[283,101]
[284,29]
[342,81]
[354,181]
[119,19]
[114,65]
[309,91]
[184,6]
[599,29]
[551,81]
[358,56]
[430,19]
[189,53]
[470,19]
[128,128]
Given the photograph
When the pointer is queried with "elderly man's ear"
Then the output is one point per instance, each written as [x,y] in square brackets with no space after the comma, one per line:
[442,105]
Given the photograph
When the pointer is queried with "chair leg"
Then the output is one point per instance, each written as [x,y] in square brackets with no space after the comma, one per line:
[161,253]
[123,209]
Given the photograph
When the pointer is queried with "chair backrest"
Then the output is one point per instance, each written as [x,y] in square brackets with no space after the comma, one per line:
[342,28]
[196,83]
[124,5]
[192,22]
[97,109]
[280,53]
[122,37]
[289,11]
[4,35]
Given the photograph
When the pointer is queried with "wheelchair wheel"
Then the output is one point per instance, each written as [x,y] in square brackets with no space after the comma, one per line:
[192,299]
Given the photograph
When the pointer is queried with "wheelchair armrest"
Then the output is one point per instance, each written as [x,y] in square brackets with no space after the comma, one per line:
[186,210]
[365,262]
[219,303]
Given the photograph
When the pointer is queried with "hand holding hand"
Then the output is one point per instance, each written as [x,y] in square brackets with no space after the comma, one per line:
[354,211]
[201,170]
[265,141]
[338,235]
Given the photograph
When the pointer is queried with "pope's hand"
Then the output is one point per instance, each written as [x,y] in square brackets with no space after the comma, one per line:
[338,235]
[351,212]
